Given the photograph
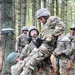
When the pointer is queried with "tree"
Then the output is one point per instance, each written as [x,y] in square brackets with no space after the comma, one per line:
[57,7]
[8,41]
[33,12]
[52,7]
[43,3]
[18,10]
[23,13]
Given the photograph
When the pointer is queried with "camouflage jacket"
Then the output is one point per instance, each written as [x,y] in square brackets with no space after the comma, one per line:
[52,28]
[21,42]
[72,38]
[27,50]
[64,48]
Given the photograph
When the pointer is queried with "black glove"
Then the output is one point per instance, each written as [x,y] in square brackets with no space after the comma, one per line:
[29,39]
[48,61]
[38,42]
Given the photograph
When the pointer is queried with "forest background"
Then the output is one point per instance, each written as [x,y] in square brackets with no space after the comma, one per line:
[18,13]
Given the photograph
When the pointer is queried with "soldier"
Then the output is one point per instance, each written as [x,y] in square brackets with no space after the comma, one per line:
[65,52]
[62,53]
[35,42]
[71,36]
[22,40]
[12,58]
[52,28]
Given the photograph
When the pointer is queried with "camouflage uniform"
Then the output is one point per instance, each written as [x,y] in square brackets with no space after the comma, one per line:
[62,53]
[27,50]
[50,31]
[16,69]
[72,56]
[21,41]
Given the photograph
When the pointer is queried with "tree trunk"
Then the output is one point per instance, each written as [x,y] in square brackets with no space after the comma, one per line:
[43,3]
[64,12]
[8,14]
[57,8]
[7,47]
[23,13]
[52,7]
[1,14]
[8,39]
[38,6]
[33,13]
[19,16]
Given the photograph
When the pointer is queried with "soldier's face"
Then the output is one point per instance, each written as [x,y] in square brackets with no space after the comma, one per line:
[33,33]
[73,32]
[25,31]
[42,20]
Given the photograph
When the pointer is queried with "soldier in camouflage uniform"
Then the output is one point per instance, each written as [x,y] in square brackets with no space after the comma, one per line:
[52,28]
[35,42]
[71,36]
[65,52]
[22,40]
[62,53]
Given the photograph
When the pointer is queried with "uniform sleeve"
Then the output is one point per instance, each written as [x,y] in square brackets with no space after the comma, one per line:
[58,49]
[24,52]
[53,27]
[59,28]
[17,68]
[17,45]
[64,48]
[68,49]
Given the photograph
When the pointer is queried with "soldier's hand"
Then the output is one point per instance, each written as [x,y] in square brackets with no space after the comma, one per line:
[49,38]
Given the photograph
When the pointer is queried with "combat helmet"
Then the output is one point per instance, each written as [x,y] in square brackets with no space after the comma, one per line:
[11,58]
[24,28]
[42,12]
[72,27]
[33,28]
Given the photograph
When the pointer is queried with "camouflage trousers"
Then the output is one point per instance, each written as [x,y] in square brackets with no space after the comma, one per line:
[72,69]
[17,68]
[35,57]
[60,65]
